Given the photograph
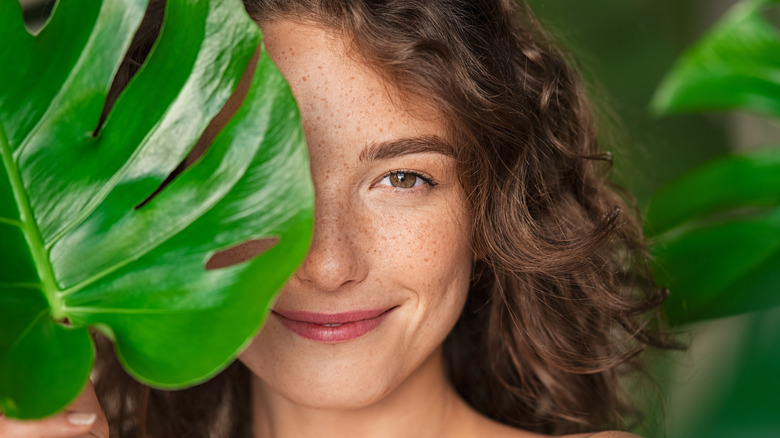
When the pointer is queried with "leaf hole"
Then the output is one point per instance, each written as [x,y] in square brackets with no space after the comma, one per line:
[35,13]
[136,55]
[772,15]
[178,170]
[240,253]
[65,322]
[219,121]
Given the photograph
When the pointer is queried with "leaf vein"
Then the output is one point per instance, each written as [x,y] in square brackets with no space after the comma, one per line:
[36,286]
[14,222]
[29,227]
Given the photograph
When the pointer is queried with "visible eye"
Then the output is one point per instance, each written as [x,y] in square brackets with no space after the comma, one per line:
[404,179]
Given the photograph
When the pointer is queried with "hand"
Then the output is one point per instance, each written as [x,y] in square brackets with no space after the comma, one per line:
[83,418]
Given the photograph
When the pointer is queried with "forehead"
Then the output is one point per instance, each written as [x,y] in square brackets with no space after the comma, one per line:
[342,100]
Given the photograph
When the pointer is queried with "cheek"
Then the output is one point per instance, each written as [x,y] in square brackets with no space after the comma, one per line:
[440,279]
[427,248]
[429,255]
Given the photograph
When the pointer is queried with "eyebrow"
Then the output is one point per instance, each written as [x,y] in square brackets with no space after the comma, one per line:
[405,146]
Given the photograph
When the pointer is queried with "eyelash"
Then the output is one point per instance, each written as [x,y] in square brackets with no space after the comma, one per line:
[426,179]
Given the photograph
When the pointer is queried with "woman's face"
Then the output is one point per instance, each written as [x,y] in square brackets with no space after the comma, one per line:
[389,266]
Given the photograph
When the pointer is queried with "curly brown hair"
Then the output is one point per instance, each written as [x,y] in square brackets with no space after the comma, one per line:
[562,301]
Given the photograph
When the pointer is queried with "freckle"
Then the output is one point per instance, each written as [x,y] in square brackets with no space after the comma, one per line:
[319,67]
[318,117]
[303,78]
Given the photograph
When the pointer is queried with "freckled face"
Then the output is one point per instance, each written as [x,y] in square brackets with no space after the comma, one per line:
[391,233]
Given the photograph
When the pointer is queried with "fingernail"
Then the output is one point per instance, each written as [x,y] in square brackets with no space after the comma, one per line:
[81,418]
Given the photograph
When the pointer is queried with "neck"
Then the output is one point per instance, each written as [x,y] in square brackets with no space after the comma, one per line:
[423,405]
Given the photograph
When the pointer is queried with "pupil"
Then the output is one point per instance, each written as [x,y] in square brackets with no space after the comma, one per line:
[403,180]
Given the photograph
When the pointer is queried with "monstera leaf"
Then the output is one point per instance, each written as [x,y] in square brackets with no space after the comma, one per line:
[83,243]
[716,229]
[736,65]
[716,233]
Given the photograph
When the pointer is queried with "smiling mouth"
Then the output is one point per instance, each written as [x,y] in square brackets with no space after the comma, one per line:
[332,327]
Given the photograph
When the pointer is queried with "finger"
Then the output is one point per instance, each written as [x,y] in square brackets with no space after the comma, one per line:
[82,418]
[83,408]
[64,424]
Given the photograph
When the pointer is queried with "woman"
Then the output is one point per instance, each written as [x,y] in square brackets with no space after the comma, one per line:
[471,272]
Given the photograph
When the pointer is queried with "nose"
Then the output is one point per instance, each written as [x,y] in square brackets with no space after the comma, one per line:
[334,258]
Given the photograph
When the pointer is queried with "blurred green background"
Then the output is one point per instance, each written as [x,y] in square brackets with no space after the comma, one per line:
[625,47]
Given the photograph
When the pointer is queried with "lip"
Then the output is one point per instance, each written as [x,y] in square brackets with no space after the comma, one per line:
[332,327]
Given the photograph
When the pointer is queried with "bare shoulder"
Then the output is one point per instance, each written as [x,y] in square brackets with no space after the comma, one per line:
[498,430]
[609,434]
[481,425]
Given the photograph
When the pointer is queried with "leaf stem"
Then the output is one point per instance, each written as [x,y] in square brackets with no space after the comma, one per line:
[30,229]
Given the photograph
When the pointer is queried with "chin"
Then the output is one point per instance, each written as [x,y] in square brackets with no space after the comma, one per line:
[336,384]
[340,397]
[339,376]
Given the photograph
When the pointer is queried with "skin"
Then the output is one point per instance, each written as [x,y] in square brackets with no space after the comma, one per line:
[377,244]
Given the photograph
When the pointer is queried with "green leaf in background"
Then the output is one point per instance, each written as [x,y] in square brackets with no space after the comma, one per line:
[716,237]
[737,182]
[737,65]
[716,229]
[80,243]
[720,269]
